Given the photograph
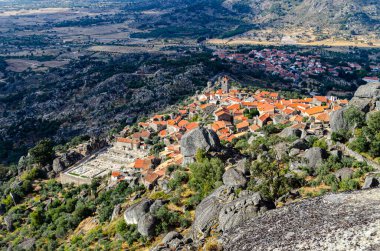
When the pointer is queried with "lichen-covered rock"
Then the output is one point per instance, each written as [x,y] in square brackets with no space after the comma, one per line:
[290,132]
[347,221]
[364,99]
[199,138]
[294,152]
[315,157]
[371,90]
[241,209]
[146,225]
[280,150]
[136,211]
[157,204]
[207,212]
[170,236]
[363,104]
[58,165]
[232,177]
[344,173]
[116,211]
[242,165]
[337,120]
[71,157]
[27,244]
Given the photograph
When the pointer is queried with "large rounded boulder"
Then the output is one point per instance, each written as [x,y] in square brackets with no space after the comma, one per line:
[199,138]
[338,121]
[315,157]
[133,214]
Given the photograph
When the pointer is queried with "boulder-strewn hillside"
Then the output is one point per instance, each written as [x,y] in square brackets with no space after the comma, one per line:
[92,96]
[265,19]
[347,221]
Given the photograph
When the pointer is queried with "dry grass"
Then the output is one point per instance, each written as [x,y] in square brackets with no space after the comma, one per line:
[128,49]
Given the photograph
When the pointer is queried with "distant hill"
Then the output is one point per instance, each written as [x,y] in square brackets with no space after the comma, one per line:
[354,16]
[267,20]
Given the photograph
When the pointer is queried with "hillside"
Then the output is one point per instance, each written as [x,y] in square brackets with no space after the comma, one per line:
[290,21]
[202,174]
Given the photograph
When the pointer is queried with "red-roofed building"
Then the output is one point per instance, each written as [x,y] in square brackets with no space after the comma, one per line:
[242,126]
[191,126]
[222,115]
[264,119]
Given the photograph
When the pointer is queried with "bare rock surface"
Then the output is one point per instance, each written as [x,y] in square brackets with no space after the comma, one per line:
[233,177]
[133,214]
[199,138]
[346,221]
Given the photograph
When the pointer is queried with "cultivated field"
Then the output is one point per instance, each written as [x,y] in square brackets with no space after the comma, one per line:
[20,65]
[129,49]
[333,43]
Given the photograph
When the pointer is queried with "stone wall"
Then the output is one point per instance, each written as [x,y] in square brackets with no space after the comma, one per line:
[347,151]
[68,179]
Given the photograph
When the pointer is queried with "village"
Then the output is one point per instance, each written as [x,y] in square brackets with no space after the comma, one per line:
[293,66]
[142,154]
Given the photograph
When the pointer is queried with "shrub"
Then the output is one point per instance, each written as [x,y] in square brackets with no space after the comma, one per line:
[360,144]
[167,220]
[341,136]
[321,144]
[373,122]
[179,177]
[206,174]
[349,184]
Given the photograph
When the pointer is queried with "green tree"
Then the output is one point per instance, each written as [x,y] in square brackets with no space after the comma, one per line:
[360,144]
[43,152]
[273,182]
[206,174]
[373,122]
[355,117]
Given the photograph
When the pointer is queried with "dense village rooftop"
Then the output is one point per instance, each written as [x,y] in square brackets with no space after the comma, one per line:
[230,112]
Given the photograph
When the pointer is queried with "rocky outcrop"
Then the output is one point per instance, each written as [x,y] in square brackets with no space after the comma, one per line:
[290,132]
[281,150]
[170,236]
[241,209]
[206,213]
[116,212]
[364,99]
[199,138]
[347,221]
[27,244]
[224,209]
[136,211]
[314,157]
[371,91]
[371,181]
[157,204]
[235,178]
[172,241]
[300,144]
[337,120]
[146,225]
[344,173]
[58,165]
[66,160]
